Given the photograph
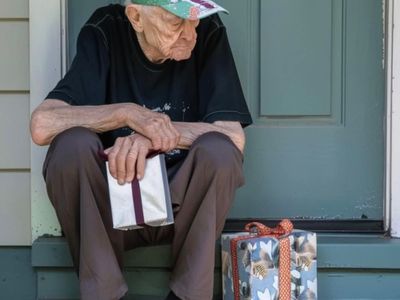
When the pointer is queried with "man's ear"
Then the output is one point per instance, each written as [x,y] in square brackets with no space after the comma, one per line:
[133,13]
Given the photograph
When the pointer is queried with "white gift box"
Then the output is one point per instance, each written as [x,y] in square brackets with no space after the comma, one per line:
[144,202]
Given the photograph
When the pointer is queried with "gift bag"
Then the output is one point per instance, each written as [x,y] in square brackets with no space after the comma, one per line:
[269,263]
[144,202]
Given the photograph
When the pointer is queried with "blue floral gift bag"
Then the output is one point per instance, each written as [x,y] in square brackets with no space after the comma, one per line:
[269,263]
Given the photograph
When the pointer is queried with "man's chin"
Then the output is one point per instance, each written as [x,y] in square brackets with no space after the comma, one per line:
[181,55]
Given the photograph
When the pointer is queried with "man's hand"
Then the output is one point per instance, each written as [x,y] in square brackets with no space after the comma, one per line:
[155,126]
[127,158]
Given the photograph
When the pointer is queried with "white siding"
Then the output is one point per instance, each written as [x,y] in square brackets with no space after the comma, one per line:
[15,209]
[14,131]
[15,9]
[14,55]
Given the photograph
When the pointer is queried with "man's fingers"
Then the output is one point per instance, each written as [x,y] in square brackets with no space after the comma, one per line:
[121,160]
[168,141]
[169,137]
[165,141]
[112,155]
[141,162]
[131,160]
[127,158]
[154,131]
[160,131]
[156,142]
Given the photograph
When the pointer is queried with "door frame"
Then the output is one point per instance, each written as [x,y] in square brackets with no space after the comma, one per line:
[393,118]
[48,31]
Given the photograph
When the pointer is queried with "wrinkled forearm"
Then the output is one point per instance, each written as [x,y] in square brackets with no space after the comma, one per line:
[191,131]
[53,117]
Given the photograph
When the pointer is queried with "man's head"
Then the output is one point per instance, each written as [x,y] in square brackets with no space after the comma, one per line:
[166,29]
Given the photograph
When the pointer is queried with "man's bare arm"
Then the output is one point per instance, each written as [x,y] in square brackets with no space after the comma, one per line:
[54,116]
[189,132]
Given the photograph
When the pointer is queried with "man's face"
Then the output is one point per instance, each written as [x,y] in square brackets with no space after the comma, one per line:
[173,37]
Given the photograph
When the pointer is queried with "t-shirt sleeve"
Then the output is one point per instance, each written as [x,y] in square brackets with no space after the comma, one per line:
[220,92]
[85,82]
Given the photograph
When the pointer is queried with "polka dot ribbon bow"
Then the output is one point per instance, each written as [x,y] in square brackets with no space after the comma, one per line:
[282,230]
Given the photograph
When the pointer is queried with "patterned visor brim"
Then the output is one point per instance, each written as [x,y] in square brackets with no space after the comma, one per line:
[186,9]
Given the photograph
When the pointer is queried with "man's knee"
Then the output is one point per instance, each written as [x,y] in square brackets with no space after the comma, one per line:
[76,140]
[218,153]
[71,149]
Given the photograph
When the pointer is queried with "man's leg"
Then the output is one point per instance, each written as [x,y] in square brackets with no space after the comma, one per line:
[203,190]
[77,188]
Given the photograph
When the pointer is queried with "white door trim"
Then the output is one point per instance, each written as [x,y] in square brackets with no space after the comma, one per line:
[393,117]
[48,49]
[47,64]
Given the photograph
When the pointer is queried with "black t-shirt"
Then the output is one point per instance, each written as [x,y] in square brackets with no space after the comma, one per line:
[110,67]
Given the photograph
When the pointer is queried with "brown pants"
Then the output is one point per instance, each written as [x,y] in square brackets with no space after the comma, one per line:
[202,190]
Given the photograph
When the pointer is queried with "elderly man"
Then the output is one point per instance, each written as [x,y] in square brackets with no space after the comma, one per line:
[147,76]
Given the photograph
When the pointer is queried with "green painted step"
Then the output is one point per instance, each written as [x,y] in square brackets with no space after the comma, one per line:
[349,267]
[334,251]
[332,284]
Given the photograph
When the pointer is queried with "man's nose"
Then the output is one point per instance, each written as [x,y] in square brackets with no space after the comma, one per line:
[189,30]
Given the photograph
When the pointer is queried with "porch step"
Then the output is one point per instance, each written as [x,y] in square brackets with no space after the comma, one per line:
[349,267]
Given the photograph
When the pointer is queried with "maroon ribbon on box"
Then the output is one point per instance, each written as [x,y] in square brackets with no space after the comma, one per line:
[137,202]
[136,194]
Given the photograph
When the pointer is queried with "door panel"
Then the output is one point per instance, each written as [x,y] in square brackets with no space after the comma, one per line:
[297,57]
[312,74]
[301,161]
